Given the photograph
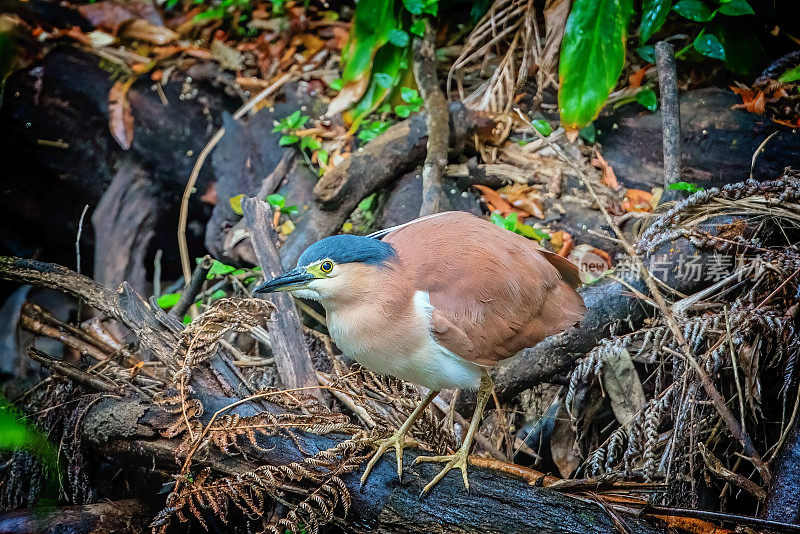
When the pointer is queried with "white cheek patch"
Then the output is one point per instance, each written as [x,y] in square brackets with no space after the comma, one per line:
[422,303]
[307,293]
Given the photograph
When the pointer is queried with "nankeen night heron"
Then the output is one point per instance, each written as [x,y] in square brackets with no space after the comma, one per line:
[436,302]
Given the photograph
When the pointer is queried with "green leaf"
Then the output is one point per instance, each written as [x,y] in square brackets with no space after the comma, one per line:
[647,53]
[373,21]
[791,75]
[409,95]
[497,219]
[219,269]
[647,98]
[403,111]
[336,84]
[310,143]
[510,222]
[290,210]
[414,7]
[736,8]
[216,295]
[17,434]
[276,200]
[398,37]
[431,8]
[389,60]
[592,57]
[696,10]
[187,319]
[654,14]
[542,126]
[323,156]
[286,140]
[383,80]
[366,205]
[685,186]
[168,300]
[531,233]
[418,28]
[588,133]
[236,203]
[709,45]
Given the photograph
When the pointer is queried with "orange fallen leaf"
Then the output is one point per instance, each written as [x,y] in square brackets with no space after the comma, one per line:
[609,177]
[490,196]
[690,524]
[635,79]
[523,197]
[120,118]
[638,201]
[751,101]
[562,241]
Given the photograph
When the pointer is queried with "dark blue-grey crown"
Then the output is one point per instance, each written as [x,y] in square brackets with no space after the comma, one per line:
[348,249]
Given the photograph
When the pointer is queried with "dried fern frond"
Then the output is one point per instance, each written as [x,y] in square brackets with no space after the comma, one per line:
[505,43]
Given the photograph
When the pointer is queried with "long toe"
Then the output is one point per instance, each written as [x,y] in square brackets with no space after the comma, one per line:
[396,440]
[459,460]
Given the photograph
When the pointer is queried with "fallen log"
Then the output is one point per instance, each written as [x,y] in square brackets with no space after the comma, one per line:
[130,516]
[495,503]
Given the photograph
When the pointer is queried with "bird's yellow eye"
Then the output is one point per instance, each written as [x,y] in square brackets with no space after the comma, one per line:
[326,266]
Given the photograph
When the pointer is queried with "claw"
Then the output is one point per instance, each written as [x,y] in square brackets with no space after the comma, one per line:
[459,460]
[396,440]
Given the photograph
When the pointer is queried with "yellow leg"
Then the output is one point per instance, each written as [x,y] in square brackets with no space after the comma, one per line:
[398,439]
[459,459]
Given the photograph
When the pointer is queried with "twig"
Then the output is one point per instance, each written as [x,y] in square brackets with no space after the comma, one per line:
[78,240]
[193,289]
[437,121]
[187,192]
[347,400]
[70,372]
[157,273]
[670,111]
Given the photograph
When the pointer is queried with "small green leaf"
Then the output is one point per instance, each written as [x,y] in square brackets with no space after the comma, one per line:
[219,269]
[685,186]
[542,126]
[654,14]
[187,319]
[588,133]
[736,8]
[290,210]
[510,222]
[414,6]
[399,38]
[418,28]
[791,75]
[276,200]
[168,300]
[236,203]
[323,156]
[647,53]
[383,80]
[696,10]
[409,95]
[531,233]
[294,119]
[310,143]
[403,111]
[709,45]
[216,295]
[647,98]
[497,219]
[286,140]
[336,84]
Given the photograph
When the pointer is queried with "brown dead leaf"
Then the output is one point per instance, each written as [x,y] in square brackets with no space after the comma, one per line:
[498,203]
[690,524]
[120,118]
[751,101]
[228,57]
[562,243]
[143,30]
[112,14]
[638,201]
[635,79]
[523,197]
[609,178]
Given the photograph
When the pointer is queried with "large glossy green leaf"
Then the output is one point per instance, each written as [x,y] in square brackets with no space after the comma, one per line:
[389,66]
[373,21]
[736,8]
[654,13]
[592,56]
[709,45]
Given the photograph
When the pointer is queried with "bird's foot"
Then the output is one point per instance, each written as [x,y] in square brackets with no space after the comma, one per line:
[396,440]
[459,460]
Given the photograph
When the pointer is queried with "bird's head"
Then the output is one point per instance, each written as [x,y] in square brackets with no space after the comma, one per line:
[332,267]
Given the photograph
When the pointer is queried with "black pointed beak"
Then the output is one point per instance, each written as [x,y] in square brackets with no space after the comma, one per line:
[294,279]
